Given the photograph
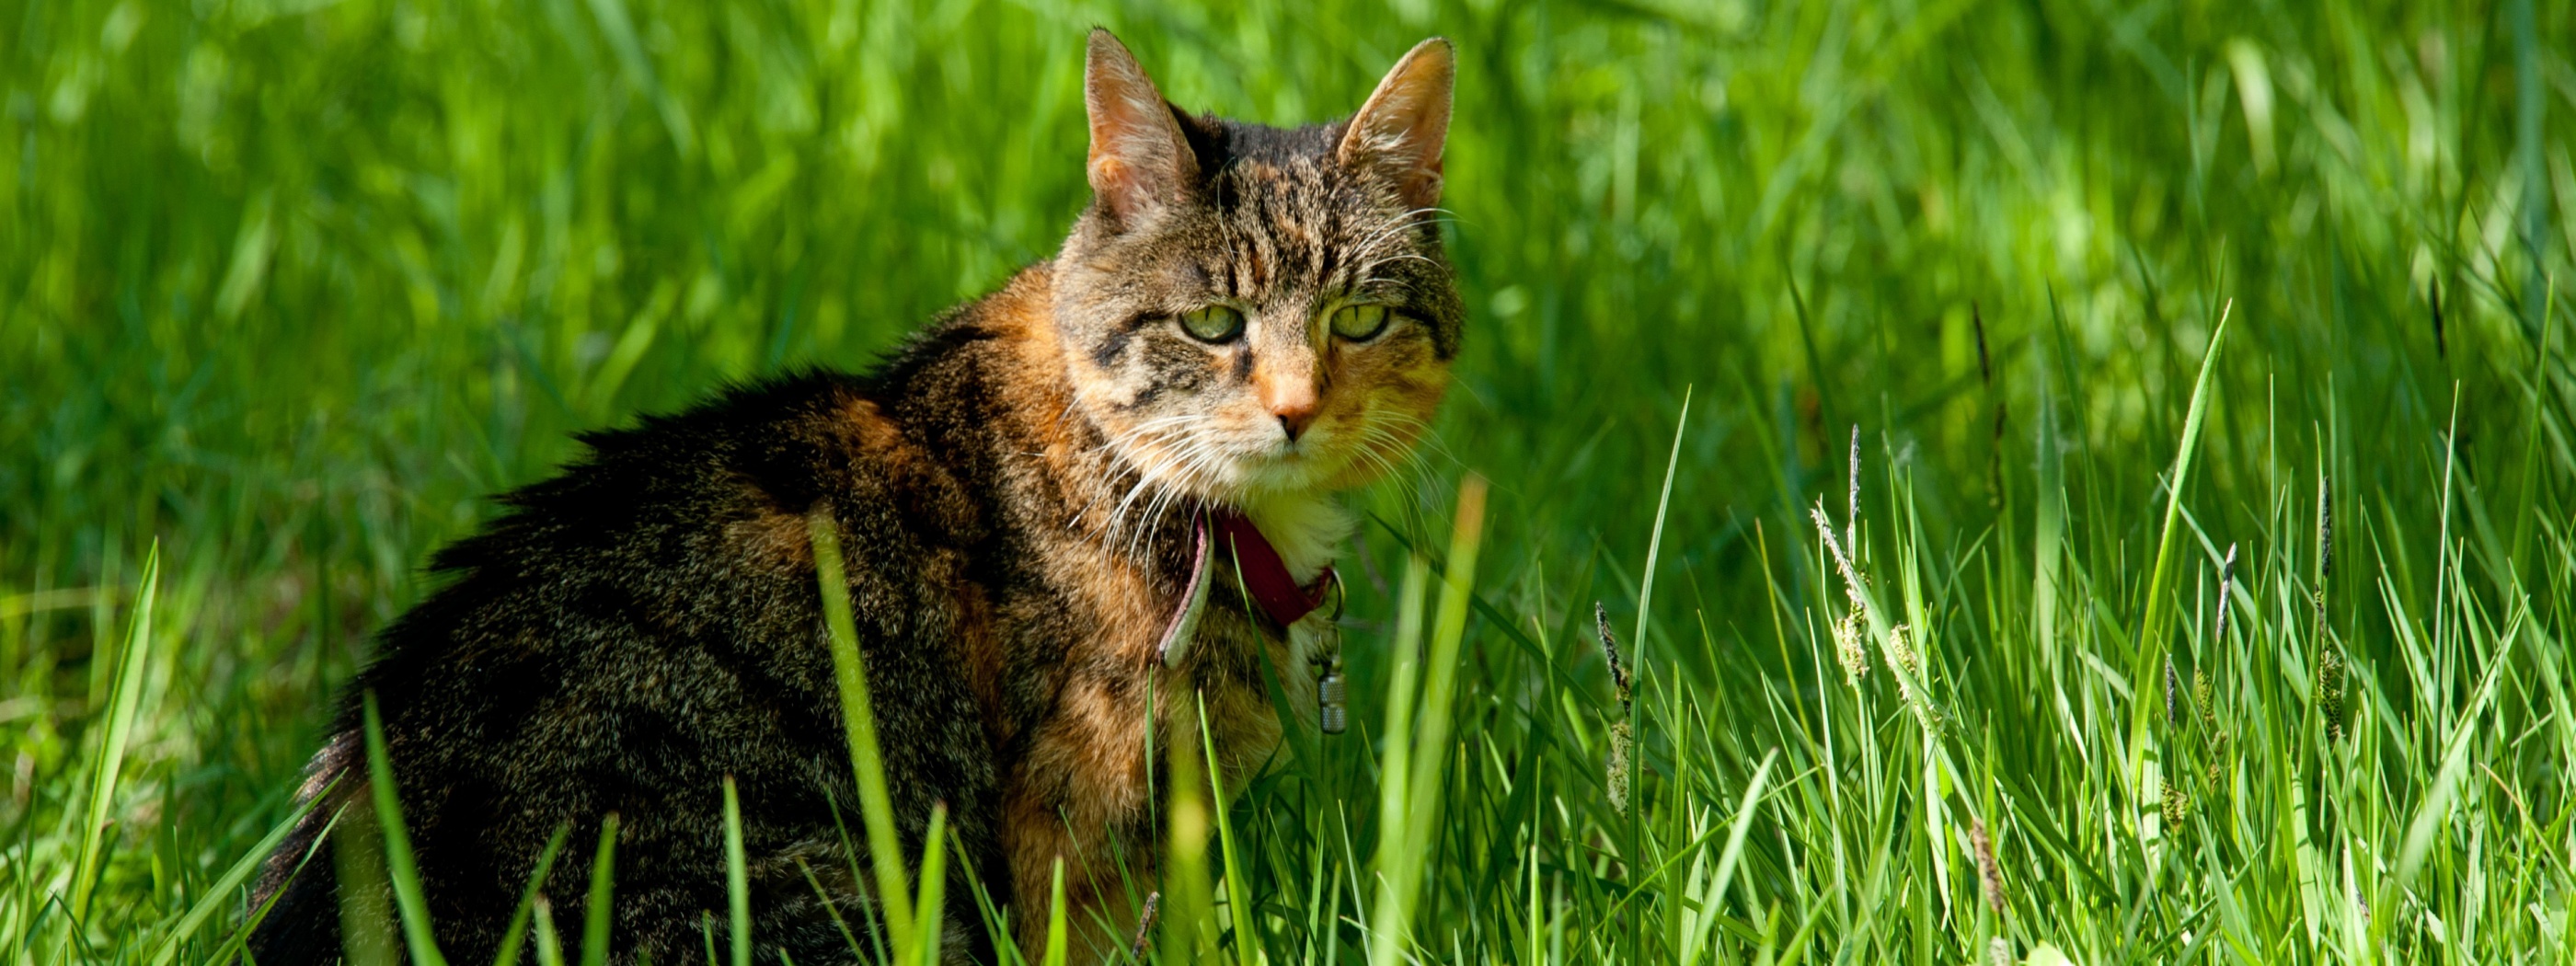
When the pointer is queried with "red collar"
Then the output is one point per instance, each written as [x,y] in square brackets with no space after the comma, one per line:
[1265,578]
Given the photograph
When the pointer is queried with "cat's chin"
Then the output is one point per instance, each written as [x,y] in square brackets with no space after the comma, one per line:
[1273,481]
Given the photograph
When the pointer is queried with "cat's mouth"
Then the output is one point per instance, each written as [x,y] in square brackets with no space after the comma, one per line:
[1276,467]
[1292,465]
[1263,469]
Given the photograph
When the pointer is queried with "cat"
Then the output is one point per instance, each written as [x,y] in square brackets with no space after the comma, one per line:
[1244,321]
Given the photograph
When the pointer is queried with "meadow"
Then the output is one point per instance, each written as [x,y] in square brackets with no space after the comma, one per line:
[2067,481]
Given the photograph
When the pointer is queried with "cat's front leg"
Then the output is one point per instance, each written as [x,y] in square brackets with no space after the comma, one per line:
[1079,793]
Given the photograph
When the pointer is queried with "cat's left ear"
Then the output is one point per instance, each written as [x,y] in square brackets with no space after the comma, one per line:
[1400,131]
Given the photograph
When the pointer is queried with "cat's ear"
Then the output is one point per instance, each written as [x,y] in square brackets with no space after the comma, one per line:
[1140,163]
[1400,131]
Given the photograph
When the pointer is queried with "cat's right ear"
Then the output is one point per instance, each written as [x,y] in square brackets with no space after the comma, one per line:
[1402,129]
[1140,163]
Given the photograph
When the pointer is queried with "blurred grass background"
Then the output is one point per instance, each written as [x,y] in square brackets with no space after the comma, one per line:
[291,286]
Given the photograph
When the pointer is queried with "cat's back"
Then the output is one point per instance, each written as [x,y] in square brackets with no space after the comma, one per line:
[675,568]
[696,508]
[647,624]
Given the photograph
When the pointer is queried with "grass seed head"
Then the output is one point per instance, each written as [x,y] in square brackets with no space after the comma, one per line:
[2325,532]
[2226,587]
[2177,805]
[2204,700]
[1990,874]
[1610,651]
[1848,649]
[1901,654]
[2330,686]
[1900,643]
[1620,766]
[1999,951]
[1847,631]
[2325,546]
[1851,519]
[1145,926]
[2173,688]
[1621,735]
[1852,582]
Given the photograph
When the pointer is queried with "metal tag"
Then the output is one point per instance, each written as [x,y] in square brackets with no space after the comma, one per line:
[1334,714]
[1332,705]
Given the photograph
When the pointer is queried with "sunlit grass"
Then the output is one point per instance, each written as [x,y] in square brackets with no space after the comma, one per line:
[292,287]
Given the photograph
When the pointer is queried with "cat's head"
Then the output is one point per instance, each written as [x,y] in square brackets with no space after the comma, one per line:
[1249,311]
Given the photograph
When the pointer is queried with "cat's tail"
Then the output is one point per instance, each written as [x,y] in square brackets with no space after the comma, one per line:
[299,887]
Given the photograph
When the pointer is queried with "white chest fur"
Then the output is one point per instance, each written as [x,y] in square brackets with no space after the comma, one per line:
[1306,528]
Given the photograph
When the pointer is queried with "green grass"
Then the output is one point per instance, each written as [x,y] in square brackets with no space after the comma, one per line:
[288,287]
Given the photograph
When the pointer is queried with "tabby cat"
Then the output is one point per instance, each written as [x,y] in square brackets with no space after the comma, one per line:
[1245,320]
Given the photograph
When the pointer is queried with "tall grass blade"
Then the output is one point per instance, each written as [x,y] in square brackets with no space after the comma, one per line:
[549,945]
[1754,789]
[2153,618]
[599,912]
[514,938]
[859,726]
[1238,904]
[737,876]
[1187,912]
[132,666]
[934,886]
[1394,787]
[1655,542]
[400,866]
[1055,937]
[369,921]
[1629,797]
[1404,843]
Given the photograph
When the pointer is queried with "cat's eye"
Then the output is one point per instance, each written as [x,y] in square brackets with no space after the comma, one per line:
[1360,323]
[1215,323]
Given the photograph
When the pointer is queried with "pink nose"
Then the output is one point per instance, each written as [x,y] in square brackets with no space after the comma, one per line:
[1293,401]
[1286,386]
[1295,420]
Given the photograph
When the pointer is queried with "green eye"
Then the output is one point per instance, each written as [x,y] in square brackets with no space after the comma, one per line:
[1216,323]
[1360,323]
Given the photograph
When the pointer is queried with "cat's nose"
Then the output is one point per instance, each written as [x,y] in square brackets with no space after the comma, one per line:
[1293,402]
[1293,418]
[1285,382]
